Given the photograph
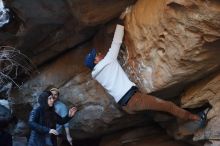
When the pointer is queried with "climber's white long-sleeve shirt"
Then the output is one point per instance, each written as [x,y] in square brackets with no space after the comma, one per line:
[109,73]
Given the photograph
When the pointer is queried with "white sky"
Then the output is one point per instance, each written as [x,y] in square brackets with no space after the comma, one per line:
[3,15]
[1,4]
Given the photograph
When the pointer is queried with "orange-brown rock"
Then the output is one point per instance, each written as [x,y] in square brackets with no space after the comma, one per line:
[206,91]
[172,42]
[199,94]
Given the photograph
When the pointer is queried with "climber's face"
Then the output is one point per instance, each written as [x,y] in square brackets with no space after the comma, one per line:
[98,58]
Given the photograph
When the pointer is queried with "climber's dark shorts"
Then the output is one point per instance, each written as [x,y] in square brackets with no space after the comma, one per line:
[124,100]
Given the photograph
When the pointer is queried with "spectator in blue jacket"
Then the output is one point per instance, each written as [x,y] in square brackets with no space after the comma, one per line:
[43,120]
[62,111]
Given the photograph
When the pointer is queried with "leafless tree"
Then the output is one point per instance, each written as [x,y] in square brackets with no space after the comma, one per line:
[12,64]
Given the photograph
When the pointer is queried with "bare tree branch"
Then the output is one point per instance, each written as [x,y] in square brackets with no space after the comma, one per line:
[12,64]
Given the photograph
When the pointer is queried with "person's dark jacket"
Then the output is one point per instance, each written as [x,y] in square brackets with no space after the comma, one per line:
[5,139]
[39,130]
[6,118]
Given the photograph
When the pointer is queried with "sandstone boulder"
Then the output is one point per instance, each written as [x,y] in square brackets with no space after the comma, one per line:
[44,29]
[171,43]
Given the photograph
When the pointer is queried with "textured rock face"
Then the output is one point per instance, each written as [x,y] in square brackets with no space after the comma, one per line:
[147,136]
[207,90]
[97,112]
[171,43]
[43,29]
